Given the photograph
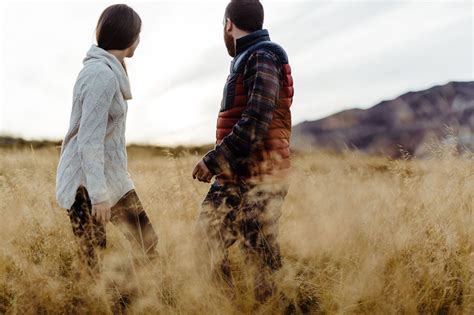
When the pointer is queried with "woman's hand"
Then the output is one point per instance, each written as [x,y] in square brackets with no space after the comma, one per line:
[101,212]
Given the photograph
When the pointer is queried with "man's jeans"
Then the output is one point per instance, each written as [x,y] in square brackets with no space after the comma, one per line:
[249,214]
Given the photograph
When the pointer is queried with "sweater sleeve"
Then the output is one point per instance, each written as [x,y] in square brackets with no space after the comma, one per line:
[96,97]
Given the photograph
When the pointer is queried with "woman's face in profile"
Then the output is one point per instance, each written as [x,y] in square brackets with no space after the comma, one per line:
[131,49]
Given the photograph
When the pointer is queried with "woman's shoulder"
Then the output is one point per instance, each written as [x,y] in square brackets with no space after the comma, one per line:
[93,70]
[95,76]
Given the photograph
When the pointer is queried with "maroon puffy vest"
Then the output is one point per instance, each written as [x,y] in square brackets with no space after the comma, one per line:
[270,161]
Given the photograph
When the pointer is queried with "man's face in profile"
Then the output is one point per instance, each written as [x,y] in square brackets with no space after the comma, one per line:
[228,38]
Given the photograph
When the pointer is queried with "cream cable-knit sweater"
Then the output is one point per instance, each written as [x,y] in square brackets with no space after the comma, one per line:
[93,153]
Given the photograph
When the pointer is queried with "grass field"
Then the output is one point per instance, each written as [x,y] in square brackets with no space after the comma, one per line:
[359,235]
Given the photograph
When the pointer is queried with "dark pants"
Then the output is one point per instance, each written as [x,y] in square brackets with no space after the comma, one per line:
[249,214]
[90,234]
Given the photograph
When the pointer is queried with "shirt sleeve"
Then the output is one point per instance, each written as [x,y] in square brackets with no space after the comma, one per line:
[262,81]
[97,96]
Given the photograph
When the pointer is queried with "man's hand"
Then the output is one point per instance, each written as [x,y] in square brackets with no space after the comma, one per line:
[202,173]
[101,212]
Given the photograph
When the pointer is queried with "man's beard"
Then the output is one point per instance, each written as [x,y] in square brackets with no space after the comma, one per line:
[230,44]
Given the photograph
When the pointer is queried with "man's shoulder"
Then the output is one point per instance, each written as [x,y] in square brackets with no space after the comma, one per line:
[263,55]
[269,49]
[266,51]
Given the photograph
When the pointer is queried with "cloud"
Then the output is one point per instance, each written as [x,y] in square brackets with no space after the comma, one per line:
[343,53]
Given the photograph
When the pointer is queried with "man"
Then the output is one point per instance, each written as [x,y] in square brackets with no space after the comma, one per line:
[251,159]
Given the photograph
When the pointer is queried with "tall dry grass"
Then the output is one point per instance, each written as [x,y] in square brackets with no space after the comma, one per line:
[359,235]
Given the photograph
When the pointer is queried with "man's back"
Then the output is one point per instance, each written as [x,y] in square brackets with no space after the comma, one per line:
[254,123]
[251,158]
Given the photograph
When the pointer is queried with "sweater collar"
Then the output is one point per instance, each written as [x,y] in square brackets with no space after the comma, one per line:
[96,53]
[251,39]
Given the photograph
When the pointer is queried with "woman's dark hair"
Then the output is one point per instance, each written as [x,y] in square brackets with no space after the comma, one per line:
[247,15]
[118,27]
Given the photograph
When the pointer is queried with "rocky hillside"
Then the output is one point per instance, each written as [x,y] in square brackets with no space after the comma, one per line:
[412,121]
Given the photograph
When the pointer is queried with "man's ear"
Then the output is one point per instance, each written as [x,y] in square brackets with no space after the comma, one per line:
[229,26]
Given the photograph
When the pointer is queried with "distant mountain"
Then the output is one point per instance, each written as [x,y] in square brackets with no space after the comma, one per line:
[411,121]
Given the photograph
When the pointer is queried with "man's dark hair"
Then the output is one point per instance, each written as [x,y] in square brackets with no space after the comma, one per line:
[247,15]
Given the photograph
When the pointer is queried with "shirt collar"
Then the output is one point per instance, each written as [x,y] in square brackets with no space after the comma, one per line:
[251,39]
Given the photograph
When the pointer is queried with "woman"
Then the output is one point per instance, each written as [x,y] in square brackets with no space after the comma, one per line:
[92,179]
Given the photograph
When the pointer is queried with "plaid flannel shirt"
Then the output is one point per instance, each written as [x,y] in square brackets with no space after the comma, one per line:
[262,82]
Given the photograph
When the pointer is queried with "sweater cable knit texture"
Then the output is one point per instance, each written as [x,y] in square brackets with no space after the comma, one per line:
[93,153]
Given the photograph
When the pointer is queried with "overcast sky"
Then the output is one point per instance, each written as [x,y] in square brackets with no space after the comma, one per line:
[344,54]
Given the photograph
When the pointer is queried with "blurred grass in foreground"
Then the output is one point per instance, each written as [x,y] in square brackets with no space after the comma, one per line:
[360,235]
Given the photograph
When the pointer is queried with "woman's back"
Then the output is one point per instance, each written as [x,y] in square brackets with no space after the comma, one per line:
[93,152]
